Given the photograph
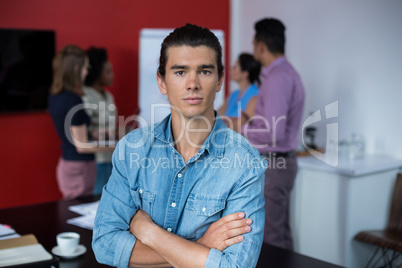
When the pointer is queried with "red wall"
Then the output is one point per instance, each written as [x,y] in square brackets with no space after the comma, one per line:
[29,144]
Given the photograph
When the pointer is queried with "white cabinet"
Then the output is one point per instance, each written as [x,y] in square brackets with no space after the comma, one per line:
[330,205]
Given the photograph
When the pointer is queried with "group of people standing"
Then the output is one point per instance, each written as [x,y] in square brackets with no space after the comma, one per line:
[266,109]
[82,110]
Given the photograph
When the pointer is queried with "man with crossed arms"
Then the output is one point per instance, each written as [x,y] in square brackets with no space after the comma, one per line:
[196,208]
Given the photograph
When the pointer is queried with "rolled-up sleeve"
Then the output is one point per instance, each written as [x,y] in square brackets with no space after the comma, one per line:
[112,241]
[247,197]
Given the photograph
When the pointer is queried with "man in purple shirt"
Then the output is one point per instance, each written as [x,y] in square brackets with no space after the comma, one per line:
[273,129]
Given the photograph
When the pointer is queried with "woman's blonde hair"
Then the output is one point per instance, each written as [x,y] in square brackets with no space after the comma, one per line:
[67,65]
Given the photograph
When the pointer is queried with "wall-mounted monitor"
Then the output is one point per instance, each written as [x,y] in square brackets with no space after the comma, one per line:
[25,69]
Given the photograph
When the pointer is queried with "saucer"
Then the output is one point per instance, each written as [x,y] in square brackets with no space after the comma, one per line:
[81,249]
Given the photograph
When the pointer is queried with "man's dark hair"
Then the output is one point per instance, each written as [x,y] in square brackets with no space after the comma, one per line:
[271,32]
[193,36]
[249,64]
[97,58]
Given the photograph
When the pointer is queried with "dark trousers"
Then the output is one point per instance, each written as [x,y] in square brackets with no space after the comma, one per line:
[279,179]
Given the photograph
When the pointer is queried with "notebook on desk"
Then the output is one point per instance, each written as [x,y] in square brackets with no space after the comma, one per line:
[25,252]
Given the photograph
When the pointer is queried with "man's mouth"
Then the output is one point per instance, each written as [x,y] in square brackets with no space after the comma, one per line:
[193,100]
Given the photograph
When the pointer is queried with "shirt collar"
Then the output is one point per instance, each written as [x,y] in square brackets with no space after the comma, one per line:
[162,130]
[273,64]
[214,144]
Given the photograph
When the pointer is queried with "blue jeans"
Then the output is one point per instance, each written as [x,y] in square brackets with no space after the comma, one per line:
[102,176]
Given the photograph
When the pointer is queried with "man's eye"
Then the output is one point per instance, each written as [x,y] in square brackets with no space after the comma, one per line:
[180,73]
[205,72]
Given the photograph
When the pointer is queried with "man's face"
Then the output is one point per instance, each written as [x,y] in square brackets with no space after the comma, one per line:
[191,80]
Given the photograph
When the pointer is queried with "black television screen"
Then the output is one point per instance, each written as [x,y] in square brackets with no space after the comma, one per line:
[25,69]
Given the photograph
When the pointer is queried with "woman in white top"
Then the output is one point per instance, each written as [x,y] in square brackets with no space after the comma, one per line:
[100,106]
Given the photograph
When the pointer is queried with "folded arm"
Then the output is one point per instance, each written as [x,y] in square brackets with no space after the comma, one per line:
[221,234]
[177,251]
[143,256]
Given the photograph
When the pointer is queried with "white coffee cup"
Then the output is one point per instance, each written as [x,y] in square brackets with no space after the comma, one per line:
[68,242]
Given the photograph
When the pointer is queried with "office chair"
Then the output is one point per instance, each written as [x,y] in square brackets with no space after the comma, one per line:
[389,239]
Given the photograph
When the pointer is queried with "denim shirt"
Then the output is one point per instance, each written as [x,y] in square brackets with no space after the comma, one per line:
[224,177]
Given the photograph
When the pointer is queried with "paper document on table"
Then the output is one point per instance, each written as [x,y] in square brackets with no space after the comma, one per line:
[85,209]
[86,221]
[6,232]
[9,236]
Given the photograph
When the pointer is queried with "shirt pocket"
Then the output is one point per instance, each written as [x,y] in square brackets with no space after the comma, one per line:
[200,212]
[144,200]
[205,205]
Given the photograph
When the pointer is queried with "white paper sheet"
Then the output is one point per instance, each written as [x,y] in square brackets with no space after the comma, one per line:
[85,209]
[86,221]
[7,232]
[9,236]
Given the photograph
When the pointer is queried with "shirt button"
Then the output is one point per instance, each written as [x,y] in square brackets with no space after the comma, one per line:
[203,209]
[179,175]
[173,204]
[169,229]
[140,191]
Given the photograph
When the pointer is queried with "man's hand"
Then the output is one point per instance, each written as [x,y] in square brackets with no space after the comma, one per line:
[140,223]
[226,231]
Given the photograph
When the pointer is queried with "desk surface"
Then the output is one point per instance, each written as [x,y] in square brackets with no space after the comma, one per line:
[46,220]
[352,168]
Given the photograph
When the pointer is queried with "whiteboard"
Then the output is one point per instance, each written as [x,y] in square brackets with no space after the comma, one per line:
[153,105]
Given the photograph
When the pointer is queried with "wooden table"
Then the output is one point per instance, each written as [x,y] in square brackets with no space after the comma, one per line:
[46,220]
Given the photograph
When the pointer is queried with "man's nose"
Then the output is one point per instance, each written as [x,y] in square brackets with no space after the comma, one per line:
[193,82]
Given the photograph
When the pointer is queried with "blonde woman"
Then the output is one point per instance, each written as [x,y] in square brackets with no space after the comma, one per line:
[76,169]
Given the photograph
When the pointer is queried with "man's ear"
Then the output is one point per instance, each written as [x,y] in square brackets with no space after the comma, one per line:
[161,83]
[220,83]
[261,47]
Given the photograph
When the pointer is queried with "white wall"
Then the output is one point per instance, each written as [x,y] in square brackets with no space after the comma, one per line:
[350,51]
